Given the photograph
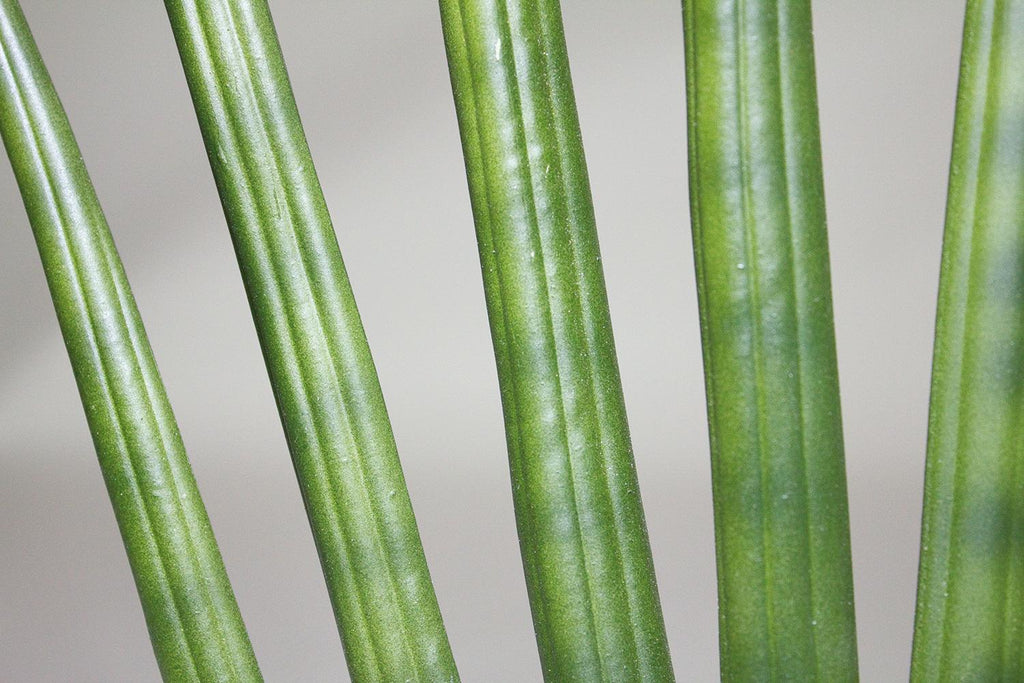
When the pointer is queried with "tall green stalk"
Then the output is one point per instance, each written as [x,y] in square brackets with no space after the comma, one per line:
[758,211]
[581,525]
[970,601]
[193,620]
[313,342]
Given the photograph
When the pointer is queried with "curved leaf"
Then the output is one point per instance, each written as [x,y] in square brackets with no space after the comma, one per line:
[581,525]
[313,341]
[970,601]
[758,211]
[191,613]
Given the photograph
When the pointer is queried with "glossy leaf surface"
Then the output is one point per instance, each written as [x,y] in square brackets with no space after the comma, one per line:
[758,213]
[193,620]
[316,351]
[581,525]
[970,602]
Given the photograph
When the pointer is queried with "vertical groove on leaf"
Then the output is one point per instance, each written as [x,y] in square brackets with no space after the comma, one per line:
[970,602]
[313,341]
[193,620]
[761,253]
[582,533]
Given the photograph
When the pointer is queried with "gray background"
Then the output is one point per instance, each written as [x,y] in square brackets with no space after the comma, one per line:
[372,85]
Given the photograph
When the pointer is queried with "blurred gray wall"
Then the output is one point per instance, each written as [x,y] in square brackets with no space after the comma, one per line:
[372,85]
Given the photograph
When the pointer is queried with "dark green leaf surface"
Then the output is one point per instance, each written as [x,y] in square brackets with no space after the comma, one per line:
[758,211]
[313,341]
[581,524]
[970,601]
[193,620]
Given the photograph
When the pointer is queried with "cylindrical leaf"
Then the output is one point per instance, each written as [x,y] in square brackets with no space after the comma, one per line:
[313,341]
[581,524]
[193,620]
[970,601]
[758,212]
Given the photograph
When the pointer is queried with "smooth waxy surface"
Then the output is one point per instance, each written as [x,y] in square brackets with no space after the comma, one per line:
[758,213]
[313,341]
[582,533]
[970,602]
[193,621]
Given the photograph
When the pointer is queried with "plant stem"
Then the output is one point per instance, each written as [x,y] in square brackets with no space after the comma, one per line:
[193,620]
[758,212]
[316,351]
[581,525]
[970,601]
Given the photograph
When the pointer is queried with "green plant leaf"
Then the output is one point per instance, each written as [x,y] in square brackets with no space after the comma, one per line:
[190,611]
[758,211]
[970,601]
[581,525]
[313,341]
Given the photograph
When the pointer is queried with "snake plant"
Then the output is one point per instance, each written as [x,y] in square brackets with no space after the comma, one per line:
[970,603]
[758,213]
[316,351]
[581,525]
[193,620]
